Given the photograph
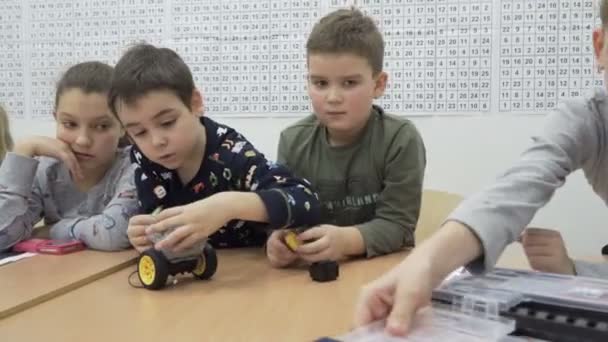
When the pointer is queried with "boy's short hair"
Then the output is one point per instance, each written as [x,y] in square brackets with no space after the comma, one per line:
[348,31]
[89,77]
[144,68]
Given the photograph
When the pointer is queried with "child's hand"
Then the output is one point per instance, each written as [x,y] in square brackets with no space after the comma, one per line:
[327,243]
[137,231]
[193,223]
[50,147]
[546,251]
[395,297]
[277,252]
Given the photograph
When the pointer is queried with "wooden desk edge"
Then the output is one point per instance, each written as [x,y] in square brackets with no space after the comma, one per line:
[63,290]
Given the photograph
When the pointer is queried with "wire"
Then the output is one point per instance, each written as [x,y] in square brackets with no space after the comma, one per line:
[129,279]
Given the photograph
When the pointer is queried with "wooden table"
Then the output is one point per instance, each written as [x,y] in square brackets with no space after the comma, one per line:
[247,300]
[31,281]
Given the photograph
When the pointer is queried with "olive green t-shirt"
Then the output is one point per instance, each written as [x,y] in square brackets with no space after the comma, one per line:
[374,184]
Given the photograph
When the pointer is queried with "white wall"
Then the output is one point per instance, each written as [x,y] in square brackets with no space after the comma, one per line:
[464,154]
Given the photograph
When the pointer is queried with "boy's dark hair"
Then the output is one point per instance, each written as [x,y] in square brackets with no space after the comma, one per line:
[144,68]
[90,77]
[348,31]
[604,12]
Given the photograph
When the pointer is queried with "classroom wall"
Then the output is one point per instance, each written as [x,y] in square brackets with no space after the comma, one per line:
[464,154]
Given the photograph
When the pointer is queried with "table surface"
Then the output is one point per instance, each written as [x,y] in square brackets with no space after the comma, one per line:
[31,281]
[246,300]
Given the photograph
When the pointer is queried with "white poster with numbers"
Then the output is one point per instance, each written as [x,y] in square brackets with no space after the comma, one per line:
[443,57]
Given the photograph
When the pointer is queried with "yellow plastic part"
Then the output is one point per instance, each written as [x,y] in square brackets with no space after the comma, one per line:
[147,270]
[291,239]
[201,265]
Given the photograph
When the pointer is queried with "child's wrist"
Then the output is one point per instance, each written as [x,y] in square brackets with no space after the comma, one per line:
[352,241]
[25,148]
[225,204]
[238,205]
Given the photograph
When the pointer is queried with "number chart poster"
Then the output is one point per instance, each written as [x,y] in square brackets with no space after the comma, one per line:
[443,57]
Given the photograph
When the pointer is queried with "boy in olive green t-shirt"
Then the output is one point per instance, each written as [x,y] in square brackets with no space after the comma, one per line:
[367,166]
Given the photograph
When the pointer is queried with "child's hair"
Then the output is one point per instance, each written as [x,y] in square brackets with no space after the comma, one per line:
[144,68]
[6,140]
[90,77]
[348,31]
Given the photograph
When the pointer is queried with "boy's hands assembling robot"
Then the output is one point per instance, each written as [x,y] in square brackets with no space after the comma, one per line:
[312,245]
[321,270]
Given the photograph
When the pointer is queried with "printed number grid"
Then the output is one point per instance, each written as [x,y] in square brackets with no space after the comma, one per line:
[62,33]
[12,67]
[438,54]
[248,57]
[545,53]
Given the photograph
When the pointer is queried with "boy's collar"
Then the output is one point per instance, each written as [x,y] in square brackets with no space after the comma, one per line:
[377,109]
[212,139]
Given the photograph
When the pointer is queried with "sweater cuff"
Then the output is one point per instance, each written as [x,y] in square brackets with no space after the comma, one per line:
[279,214]
[17,174]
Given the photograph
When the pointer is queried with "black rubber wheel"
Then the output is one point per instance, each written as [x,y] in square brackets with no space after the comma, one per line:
[153,269]
[206,264]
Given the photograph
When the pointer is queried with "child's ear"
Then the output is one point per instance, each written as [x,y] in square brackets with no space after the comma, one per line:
[197,104]
[599,43]
[380,86]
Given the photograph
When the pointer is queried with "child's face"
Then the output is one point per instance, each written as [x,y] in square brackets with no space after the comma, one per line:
[85,123]
[342,88]
[164,129]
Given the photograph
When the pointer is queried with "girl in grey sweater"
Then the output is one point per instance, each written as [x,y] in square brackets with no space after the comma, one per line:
[80,182]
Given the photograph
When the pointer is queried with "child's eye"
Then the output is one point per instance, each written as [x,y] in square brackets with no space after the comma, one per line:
[350,83]
[138,133]
[102,127]
[319,83]
[68,124]
[168,123]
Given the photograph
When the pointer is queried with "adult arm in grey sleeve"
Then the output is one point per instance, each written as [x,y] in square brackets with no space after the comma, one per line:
[498,214]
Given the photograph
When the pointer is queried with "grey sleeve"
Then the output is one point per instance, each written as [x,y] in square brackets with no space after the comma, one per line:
[498,214]
[20,199]
[282,151]
[106,231]
[398,206]
[591,269]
